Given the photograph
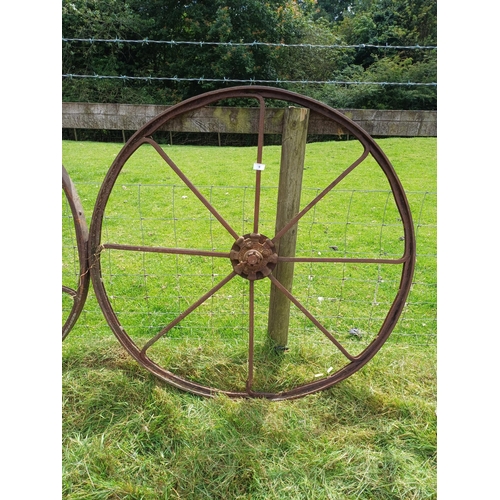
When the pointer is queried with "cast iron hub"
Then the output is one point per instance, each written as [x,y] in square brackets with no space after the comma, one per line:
[253,256]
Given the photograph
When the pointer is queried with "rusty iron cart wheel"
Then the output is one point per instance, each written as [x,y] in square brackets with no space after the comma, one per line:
[188,257]
[78,294]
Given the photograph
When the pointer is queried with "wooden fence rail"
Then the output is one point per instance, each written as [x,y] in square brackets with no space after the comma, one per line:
[398,123]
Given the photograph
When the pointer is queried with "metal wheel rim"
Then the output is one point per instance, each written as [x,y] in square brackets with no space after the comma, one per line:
[260,92]
[79,295]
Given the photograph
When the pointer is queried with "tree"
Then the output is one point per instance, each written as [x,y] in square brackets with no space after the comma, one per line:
[387,23]
[334,10]
[278,21]
[230,23]
[100,19]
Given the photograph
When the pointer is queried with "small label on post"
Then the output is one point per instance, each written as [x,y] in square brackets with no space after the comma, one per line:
[259,166]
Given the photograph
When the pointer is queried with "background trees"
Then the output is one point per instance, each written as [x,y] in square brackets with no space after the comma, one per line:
[326,22]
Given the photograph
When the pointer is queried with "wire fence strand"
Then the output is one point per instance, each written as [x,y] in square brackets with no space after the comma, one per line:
[250,80]
[146,41]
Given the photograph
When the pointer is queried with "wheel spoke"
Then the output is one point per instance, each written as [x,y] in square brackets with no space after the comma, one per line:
[258,172]
[176,251]
[321,195]
[251,328]
[191,186]
[69,291]
[402,260]
[188,311]
[292,299]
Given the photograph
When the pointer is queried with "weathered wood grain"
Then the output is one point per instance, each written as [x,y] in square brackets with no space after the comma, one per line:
[293,150]
[244,120]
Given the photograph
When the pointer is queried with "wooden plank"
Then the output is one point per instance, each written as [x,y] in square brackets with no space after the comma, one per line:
[215,119]
[293,151]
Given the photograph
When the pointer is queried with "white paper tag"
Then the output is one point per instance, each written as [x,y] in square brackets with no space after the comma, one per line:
[259,166]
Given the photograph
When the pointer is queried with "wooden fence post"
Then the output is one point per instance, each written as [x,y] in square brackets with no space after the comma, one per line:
[294,138]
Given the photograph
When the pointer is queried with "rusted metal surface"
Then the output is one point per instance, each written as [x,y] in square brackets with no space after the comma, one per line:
[253,256]
[82,237]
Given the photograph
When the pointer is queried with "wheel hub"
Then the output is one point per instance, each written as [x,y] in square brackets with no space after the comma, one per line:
[253,256]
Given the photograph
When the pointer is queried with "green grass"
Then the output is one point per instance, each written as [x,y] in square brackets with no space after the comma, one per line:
[128,436]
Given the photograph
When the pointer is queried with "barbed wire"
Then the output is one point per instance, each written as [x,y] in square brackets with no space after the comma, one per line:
[146,41]
[251,80]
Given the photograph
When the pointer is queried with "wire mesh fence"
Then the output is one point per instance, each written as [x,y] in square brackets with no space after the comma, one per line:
[149,289]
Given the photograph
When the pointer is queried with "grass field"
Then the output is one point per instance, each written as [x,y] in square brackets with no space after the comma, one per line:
[128,436]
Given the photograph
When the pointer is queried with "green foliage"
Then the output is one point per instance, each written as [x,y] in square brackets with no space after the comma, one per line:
[390,69]
[391,22]
[110,19]
[319,64]
[333,10]
[385,22]
[220,21]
